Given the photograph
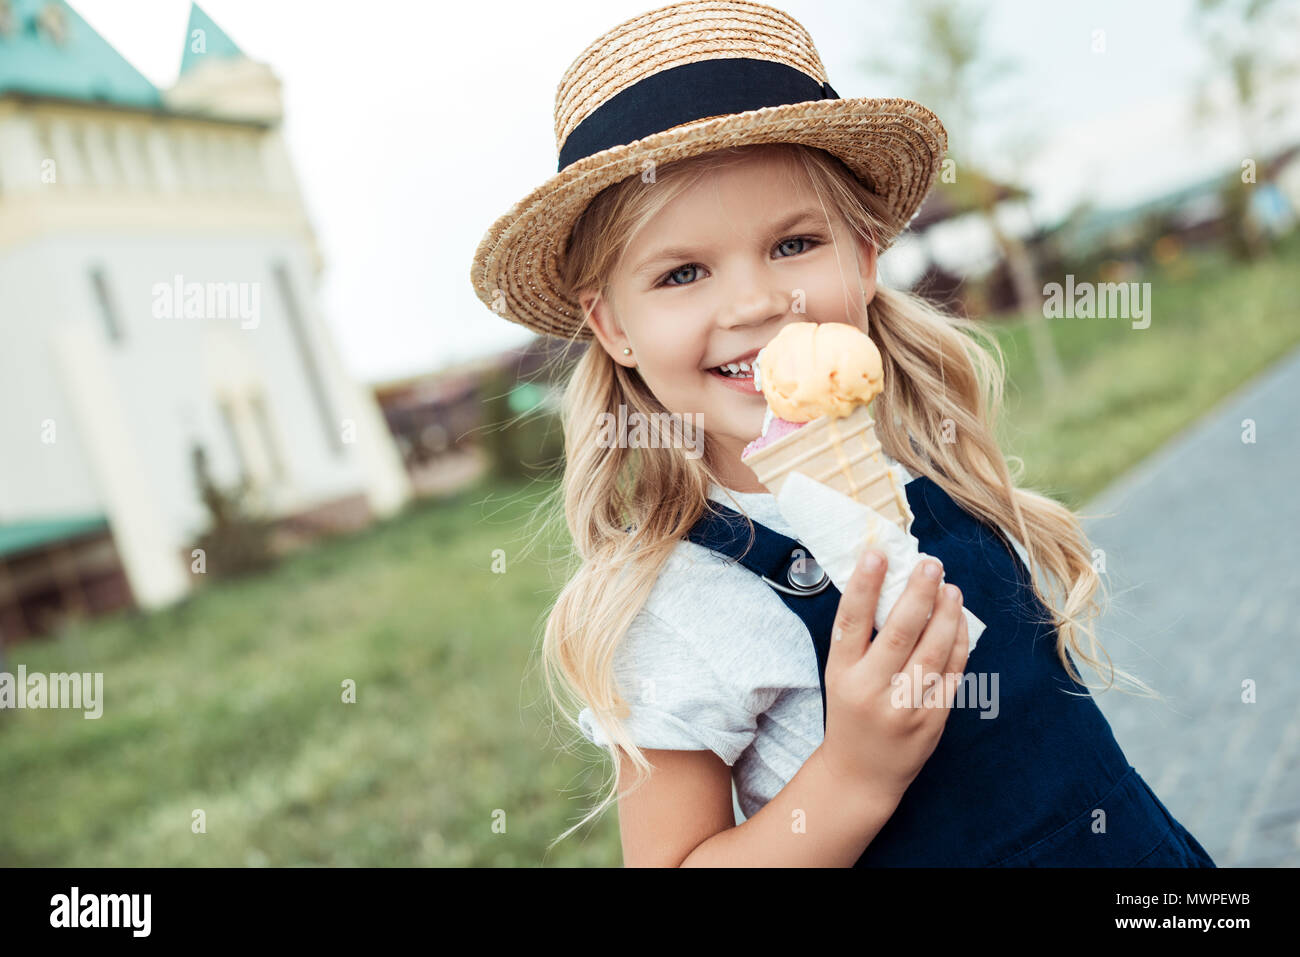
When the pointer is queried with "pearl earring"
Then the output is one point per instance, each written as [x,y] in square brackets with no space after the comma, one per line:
[627,352]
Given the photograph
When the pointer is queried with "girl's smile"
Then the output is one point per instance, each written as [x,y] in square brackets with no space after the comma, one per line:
[739,253]
[744,382]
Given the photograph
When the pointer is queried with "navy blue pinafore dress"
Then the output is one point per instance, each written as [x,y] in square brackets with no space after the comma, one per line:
[1022,788]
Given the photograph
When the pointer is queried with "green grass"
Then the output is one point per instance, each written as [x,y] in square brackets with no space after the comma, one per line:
[231,702]
[1214,327]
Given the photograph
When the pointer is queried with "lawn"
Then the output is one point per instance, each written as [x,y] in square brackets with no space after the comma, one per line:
[1214,327]
[231,704]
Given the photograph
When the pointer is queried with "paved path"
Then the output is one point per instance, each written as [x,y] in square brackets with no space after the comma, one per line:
[1203,559]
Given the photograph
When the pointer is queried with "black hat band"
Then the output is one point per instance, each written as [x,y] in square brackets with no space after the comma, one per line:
[686,93]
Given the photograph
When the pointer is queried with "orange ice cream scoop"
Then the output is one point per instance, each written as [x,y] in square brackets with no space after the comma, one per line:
[811,369]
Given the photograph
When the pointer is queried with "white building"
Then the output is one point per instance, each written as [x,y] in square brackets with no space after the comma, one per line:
[114,195]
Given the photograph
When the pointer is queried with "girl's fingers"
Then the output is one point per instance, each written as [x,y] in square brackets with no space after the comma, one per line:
[893,646]
[856,614]
[957,659]
[940,634]
[960,648]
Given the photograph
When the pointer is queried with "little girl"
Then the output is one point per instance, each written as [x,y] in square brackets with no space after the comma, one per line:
[712,189]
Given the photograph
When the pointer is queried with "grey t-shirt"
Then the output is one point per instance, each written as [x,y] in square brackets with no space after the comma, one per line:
[716,661]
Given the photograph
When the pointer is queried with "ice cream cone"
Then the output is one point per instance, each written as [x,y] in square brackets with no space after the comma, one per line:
[842,453]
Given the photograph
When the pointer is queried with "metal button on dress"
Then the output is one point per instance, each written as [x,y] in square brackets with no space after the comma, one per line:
[804,575]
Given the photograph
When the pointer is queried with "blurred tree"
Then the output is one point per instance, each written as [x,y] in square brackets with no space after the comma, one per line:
[236,542]
[952,59]
[521,433]
[1250,45]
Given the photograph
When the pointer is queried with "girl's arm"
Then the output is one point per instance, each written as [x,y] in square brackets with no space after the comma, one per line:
[686,801]
[851,784]
[814,821]
[683,817]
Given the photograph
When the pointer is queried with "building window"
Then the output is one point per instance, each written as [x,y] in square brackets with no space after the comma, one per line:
[250,161]
[180,162]
[205,159]
[222,153]
[107,307]
[267,432]
[135,150]
[302,339]
[81,152]
[44,141]
[190,160]
[232,433]
[52,22]
[107,146]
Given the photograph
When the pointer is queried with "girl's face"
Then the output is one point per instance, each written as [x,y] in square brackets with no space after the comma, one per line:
[713,278]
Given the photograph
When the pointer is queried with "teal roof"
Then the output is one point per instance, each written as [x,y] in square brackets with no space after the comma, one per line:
[23,536]
[81,65]
[1100,221]
[211,41]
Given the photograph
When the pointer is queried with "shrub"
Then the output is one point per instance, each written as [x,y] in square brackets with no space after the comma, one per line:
[237,541]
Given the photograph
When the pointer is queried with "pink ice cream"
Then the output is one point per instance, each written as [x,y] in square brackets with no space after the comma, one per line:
[810,370]
[776,429]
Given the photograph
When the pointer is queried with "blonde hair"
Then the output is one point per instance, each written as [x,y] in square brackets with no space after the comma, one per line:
[939,381]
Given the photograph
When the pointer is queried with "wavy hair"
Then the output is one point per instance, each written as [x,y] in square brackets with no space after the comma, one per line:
[937,416]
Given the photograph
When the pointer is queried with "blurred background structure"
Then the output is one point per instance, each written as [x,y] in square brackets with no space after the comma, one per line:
[133,218]
[157,295]
[181,371]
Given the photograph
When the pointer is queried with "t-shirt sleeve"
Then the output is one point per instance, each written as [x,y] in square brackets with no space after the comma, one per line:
[676,699]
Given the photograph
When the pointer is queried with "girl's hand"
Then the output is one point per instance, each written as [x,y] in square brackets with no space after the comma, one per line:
[870,742]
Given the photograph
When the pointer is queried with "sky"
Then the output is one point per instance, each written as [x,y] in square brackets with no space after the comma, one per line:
[413,125]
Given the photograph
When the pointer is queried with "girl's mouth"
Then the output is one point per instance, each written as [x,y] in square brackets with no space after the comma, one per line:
[743,382]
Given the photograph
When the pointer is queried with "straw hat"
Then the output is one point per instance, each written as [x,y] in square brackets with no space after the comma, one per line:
[684,79]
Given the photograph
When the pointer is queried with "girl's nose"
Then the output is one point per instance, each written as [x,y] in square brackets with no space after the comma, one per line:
[752,305]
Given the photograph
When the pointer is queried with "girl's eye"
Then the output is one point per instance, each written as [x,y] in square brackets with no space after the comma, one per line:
[807,241]
[795,239]
[679,269]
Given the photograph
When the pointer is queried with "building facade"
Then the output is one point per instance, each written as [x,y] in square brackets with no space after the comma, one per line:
[158,292]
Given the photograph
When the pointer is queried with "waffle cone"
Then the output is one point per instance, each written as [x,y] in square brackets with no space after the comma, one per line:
[841,453]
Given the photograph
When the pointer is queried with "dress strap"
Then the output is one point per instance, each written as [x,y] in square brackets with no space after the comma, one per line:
[783,563]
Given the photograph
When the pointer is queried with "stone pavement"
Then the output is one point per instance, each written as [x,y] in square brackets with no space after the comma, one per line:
[1203,569]
[1202,552]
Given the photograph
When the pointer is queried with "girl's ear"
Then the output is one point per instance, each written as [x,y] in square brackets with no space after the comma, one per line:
[604,326]
[867,257]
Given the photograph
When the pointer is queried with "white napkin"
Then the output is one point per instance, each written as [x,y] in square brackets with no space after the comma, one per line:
[838,529]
